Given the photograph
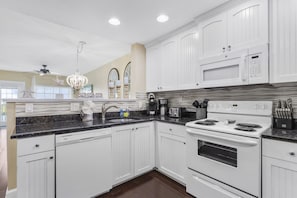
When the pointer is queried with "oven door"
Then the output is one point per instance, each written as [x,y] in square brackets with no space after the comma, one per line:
[231,159]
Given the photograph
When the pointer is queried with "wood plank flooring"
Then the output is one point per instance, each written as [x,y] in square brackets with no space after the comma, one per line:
[150,185]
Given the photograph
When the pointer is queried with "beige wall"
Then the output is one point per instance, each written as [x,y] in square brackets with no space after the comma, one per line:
[27,78]
[99,76]
[137,57]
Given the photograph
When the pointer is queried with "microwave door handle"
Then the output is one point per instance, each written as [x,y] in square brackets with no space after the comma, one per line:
[215,187]
[238,141]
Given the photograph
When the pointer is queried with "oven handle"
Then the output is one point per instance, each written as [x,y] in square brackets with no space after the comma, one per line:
[215,187]
[234,140]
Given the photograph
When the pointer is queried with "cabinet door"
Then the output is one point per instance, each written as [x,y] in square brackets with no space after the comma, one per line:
[213,34]
[36,175]
[188,60]
[122,154]
[248,25]
[279,178]
[283,41]
[172,156]
[169,65]
[144,152]
[153,65]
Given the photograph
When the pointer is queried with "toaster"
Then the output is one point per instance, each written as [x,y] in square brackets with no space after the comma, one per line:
[175,112]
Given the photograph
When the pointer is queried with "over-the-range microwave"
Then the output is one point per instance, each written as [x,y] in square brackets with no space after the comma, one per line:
[242,67]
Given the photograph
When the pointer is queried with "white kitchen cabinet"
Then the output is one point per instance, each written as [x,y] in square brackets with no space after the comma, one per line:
[188,58]
[153,65]
[241,27]
[213,34]
[169,71]
[283,41]
[144,148]
[279,169]
[172,150]
[36,167]
[132,151]
[247,25]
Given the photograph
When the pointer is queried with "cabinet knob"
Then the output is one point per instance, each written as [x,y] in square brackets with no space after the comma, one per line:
[292,153]
[197,84]
[170,129]
[133,129]
[37,145]
[224,49]
[51,157]
[229,48]
[136,128]
[184,143]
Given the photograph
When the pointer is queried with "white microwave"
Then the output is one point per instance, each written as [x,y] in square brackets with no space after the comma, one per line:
[243,67]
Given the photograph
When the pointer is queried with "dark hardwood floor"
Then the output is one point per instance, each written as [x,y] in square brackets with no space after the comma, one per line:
[150,185]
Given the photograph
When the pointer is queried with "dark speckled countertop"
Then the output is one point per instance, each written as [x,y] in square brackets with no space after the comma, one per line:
[281,134]
[25,130]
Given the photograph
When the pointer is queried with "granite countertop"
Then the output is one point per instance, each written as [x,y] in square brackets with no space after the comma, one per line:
[281,134]
[61,127]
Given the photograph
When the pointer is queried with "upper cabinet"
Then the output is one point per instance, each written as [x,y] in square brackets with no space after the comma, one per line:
[213,34]
[283,41]
[153,65]
[169,65]
[247,25]
[188,58]
[241,27]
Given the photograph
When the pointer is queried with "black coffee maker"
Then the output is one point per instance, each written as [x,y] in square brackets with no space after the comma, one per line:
[152,104]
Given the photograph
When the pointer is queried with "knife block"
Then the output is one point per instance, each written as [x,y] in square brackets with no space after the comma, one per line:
[281,123]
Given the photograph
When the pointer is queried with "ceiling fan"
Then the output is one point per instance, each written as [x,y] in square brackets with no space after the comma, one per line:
[45,71]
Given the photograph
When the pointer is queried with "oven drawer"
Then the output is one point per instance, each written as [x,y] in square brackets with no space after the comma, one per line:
[280,150]
[203,186]
[33,145]
[173,129]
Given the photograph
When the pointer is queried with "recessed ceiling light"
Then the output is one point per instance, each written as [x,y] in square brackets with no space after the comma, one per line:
[162,18]
[114,21]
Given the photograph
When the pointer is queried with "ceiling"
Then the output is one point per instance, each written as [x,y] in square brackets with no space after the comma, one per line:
[35,32]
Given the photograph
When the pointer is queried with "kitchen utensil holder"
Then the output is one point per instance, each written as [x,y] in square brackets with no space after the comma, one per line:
[282,123]
[200,113]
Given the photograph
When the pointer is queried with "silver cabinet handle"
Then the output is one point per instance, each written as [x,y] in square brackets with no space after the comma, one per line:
[292,153]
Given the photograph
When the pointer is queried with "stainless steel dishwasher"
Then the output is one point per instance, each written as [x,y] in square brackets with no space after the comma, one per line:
[83,164]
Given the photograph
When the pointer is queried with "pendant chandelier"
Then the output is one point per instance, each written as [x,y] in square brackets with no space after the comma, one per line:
[76,80]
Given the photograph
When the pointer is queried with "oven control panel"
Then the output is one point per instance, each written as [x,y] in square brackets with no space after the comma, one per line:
[241,107]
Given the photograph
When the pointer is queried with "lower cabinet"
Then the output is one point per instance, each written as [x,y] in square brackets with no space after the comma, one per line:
[172,150]
[36,167]
[133,151]
[279,169]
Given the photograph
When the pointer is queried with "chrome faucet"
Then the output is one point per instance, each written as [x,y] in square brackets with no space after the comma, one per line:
[104,110]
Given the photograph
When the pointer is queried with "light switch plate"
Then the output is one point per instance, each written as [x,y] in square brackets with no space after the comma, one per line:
[74,107]
[29,107]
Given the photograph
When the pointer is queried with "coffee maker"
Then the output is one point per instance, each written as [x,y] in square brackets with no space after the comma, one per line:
[152,104]
[163,106]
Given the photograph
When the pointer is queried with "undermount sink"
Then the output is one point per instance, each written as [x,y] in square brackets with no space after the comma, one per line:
[121,120]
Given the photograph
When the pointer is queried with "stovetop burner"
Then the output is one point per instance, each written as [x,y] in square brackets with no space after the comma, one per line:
[206,122]
[248,129]
[248,125]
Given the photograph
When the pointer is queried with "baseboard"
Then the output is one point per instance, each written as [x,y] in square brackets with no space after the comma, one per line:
[11,193]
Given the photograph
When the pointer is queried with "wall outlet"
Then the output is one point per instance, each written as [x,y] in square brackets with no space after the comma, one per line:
[75,107]
[29,107]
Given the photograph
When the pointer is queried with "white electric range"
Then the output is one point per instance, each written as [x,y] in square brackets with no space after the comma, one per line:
[224,150]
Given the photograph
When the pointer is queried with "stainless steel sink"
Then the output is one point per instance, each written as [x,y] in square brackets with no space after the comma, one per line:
[119,120]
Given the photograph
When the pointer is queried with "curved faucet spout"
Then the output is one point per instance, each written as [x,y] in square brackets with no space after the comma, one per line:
[105,109]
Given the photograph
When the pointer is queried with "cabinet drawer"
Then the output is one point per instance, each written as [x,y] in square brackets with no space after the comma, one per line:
[280,150]
[173,129]
[35,145]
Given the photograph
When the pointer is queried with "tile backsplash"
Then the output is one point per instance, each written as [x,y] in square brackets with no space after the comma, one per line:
[249,92]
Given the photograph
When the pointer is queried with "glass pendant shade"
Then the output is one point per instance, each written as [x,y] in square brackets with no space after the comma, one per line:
[76,80]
